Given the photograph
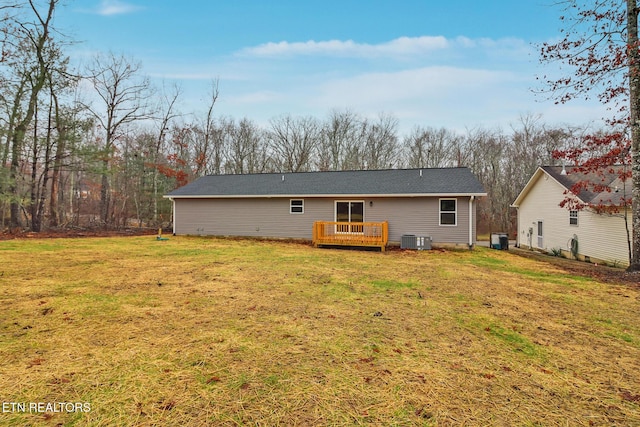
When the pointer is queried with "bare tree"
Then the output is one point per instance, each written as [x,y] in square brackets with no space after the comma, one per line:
[35,56]
[124,94]
[381,149]
[485,157]
[432,148]
[293,141]
[247,152]
[209,139]
[340,145]
[8,13]
[167,114]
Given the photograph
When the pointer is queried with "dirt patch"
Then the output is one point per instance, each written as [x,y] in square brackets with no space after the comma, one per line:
[74,233]
[599,272]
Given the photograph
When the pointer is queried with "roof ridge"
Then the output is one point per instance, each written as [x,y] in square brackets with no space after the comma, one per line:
[339,171]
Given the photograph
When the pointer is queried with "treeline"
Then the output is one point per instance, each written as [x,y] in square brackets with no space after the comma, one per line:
[99,147]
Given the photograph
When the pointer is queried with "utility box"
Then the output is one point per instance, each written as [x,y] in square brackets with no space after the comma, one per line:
[411,241]
[423,243]
[500,241]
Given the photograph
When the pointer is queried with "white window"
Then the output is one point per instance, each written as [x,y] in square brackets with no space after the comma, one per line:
[573,217]
[448,211]
[296,206]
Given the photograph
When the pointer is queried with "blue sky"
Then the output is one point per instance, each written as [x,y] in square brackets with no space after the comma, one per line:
[459,65]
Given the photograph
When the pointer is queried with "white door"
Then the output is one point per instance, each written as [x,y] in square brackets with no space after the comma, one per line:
[540,239]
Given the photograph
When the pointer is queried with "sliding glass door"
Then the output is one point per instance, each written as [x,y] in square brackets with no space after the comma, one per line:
[351,212]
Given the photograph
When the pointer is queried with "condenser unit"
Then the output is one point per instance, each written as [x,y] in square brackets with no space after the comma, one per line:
[411,241]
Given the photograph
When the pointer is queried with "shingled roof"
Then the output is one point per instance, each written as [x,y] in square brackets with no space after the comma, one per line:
[609,179]
[391,182]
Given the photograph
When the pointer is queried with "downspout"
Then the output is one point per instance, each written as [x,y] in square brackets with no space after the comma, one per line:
[517,226]
[471,222]
[173,215]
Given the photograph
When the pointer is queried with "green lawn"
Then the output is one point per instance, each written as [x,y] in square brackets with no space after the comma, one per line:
[202,331]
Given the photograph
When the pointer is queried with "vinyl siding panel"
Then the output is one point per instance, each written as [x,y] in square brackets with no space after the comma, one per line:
[270,217]
[601,237]
[420,216]
[248,217]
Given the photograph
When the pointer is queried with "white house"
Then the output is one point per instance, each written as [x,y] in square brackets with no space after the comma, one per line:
[596,235]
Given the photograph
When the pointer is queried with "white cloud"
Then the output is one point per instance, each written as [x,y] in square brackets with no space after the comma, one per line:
[115,7]
[429,83]
[436,96]
[402,46]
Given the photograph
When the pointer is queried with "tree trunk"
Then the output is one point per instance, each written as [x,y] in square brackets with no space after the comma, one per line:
[33,207]
[16,148]
[45,173]
[37,81]
[104,196]
[634,110]
[54,217]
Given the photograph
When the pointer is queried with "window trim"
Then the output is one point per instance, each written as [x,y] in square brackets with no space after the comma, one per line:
[573,216]
[454,212]
[292,206]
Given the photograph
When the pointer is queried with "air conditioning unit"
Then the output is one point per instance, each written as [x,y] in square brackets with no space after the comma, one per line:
[411,241]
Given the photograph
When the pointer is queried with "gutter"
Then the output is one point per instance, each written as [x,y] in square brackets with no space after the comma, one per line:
[328,195]
[173,214]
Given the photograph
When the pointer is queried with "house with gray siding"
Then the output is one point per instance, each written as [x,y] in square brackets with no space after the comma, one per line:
[439,203]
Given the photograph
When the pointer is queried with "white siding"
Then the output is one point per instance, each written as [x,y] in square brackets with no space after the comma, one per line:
[601,237]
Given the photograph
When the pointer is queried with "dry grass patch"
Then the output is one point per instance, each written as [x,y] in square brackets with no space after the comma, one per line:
[201,331]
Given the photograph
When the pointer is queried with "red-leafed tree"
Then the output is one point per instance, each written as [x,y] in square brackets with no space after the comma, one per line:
[601,160]
[600,44]
[177,164]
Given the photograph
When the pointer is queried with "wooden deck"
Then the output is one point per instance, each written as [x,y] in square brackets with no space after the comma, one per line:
[361,234]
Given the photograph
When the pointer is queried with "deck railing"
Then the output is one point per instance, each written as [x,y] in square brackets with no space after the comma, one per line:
[374,234]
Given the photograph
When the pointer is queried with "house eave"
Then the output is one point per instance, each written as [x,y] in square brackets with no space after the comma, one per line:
[272,196]
[538,173]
